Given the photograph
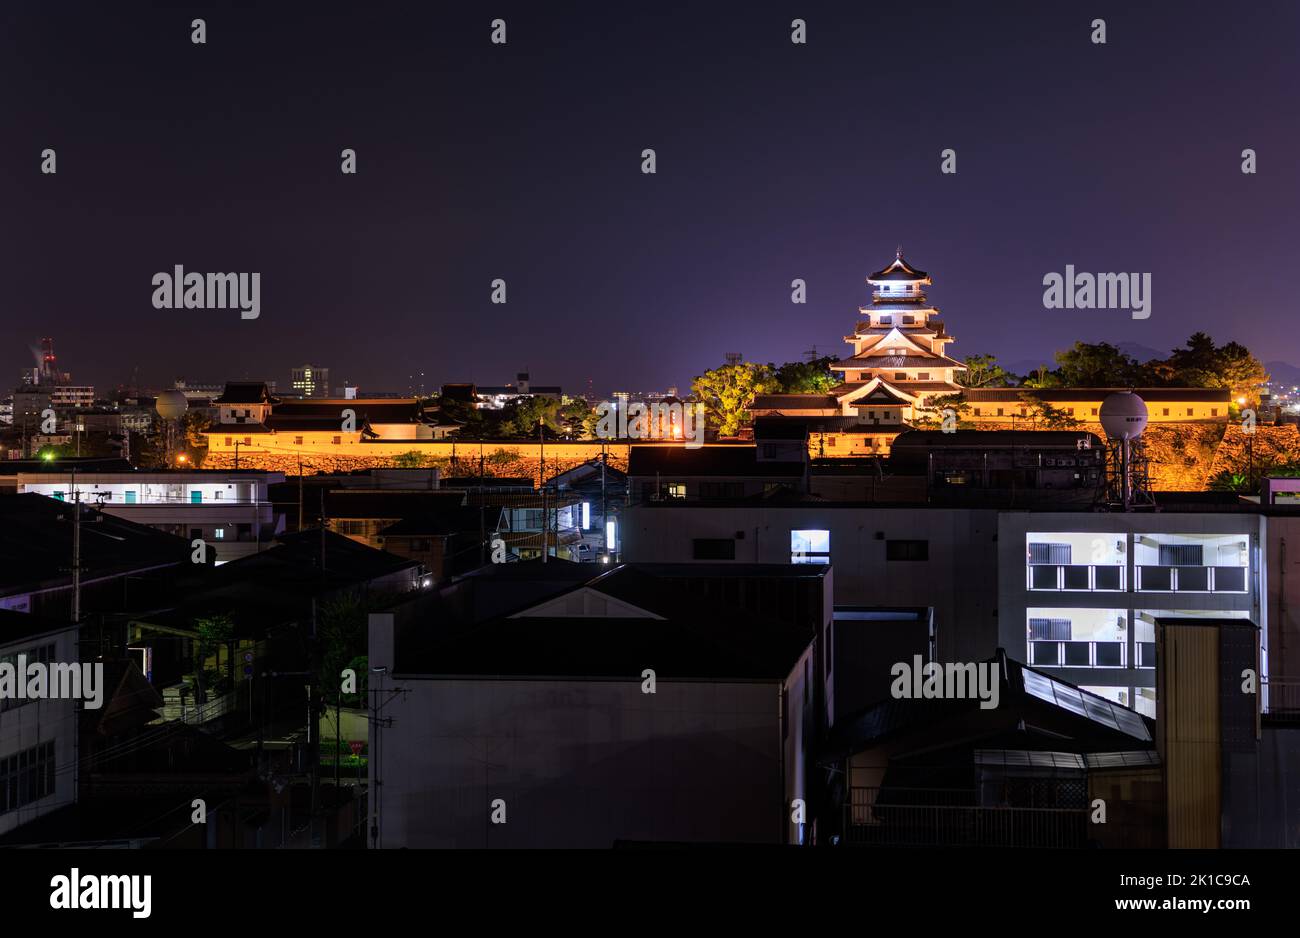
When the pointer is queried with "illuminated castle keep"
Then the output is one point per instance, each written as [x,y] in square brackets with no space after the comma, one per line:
[898,365]
[899,345]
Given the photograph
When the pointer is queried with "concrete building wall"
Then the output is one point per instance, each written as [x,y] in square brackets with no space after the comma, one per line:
[958,578]
[1282,603]
[38,722]
[578,763]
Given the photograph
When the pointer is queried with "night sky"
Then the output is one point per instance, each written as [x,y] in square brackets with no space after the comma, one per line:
[522,162]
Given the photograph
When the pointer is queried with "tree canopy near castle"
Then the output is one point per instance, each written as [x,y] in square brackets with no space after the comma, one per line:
[1199,364]
[727,392]
[983,371]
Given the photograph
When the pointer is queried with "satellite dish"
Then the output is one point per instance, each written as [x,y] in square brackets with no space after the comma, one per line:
[171,405]
[1123,416]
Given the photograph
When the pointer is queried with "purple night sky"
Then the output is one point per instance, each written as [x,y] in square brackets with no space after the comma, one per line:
[522,161]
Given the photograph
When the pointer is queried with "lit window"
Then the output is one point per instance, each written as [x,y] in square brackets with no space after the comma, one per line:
[586,516]
[676,489]
[810,546]
[219,533]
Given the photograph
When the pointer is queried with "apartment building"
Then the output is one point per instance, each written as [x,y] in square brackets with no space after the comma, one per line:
[230,511]
[38,754]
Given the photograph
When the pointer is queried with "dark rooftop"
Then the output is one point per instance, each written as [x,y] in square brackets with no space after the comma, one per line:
[246,392]
[995,439]
[678,633]
[36,544]
[739,461]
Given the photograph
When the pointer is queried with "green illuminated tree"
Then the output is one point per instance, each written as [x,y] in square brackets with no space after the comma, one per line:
[728,391]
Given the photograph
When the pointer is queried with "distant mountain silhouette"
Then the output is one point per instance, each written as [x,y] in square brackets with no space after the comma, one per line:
[1283,373]
[1141,353]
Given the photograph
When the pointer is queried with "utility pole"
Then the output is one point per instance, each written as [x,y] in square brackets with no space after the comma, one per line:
[236,455]
[300,491]
[541,483]
[76,550]
[604,502]
[313,719]
[322,530]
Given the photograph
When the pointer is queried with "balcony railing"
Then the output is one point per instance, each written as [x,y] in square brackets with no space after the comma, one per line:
[1076,577]
[1072,654]
[1283,695]
[1189,579]
[945,822]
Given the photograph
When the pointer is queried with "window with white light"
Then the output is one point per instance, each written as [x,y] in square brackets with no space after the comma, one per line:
[810,546]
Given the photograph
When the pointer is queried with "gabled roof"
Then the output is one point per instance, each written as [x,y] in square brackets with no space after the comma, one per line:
[896,337]
[615,624]
[853,391]
[900,270]
[246,392]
